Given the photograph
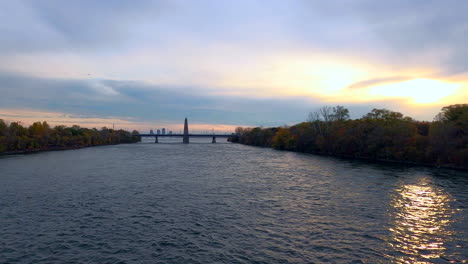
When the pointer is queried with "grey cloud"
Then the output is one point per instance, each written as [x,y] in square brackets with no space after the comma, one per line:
[90,21]
[435,30]
[151,103]
[53,25]
[145,102]
[416,33]
[405,33]
[399,32]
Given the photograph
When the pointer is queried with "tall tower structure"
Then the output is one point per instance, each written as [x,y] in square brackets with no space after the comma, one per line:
[186,135]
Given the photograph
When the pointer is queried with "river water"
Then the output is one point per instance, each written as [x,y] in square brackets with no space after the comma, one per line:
[225,203]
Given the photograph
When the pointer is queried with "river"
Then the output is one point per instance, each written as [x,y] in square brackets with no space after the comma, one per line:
[225,203]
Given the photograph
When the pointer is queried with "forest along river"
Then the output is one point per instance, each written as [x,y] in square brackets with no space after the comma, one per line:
[225,203]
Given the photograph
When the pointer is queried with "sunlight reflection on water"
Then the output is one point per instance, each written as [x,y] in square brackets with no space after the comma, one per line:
[421,218]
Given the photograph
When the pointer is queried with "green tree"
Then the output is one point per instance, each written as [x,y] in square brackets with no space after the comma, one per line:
[340,113]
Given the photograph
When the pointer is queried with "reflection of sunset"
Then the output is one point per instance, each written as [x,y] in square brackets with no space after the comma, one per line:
[420,223]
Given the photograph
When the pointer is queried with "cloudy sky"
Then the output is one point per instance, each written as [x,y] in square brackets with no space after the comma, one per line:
[148,64]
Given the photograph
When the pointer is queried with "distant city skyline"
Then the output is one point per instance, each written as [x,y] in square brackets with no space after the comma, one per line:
[223,64]
[178,130]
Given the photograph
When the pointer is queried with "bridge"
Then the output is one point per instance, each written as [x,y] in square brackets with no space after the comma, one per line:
[186,135]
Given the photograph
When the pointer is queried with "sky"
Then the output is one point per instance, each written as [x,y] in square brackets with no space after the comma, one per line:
[149,64]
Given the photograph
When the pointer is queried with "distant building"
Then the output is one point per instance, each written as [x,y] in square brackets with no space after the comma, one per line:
[164,131]
[170,132]
[158,132]
[151,132]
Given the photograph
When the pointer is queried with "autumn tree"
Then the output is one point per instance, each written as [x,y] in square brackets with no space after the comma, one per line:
[39,135]
[380,134]
[283,139]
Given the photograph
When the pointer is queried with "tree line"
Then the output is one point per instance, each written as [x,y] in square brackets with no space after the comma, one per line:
[380,135]
[40,136]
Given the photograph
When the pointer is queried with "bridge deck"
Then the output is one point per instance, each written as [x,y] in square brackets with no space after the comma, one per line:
[182,135]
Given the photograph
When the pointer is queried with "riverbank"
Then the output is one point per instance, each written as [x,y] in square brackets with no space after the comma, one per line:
[30,151]
[16,139]
[381,135]
[382,161]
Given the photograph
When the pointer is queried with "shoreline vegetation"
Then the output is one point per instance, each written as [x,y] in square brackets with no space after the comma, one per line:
[380,135]
[38,137]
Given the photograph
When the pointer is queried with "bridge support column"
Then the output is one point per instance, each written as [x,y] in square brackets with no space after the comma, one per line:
[185,140]
[214,139]
[156,139]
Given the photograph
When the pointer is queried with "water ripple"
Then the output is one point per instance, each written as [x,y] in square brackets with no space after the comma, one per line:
[225,203]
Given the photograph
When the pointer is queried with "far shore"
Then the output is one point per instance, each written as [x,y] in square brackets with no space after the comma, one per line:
[30,151]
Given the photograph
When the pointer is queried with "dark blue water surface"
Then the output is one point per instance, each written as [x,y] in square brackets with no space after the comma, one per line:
[225,203]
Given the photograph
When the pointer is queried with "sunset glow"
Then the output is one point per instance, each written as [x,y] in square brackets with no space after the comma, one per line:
[157,63]
[421,91]
[233,131]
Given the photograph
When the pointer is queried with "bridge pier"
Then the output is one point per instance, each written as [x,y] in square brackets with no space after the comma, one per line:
[156,139]
[214,139]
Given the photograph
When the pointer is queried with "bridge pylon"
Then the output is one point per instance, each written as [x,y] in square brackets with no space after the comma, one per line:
[186,134]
